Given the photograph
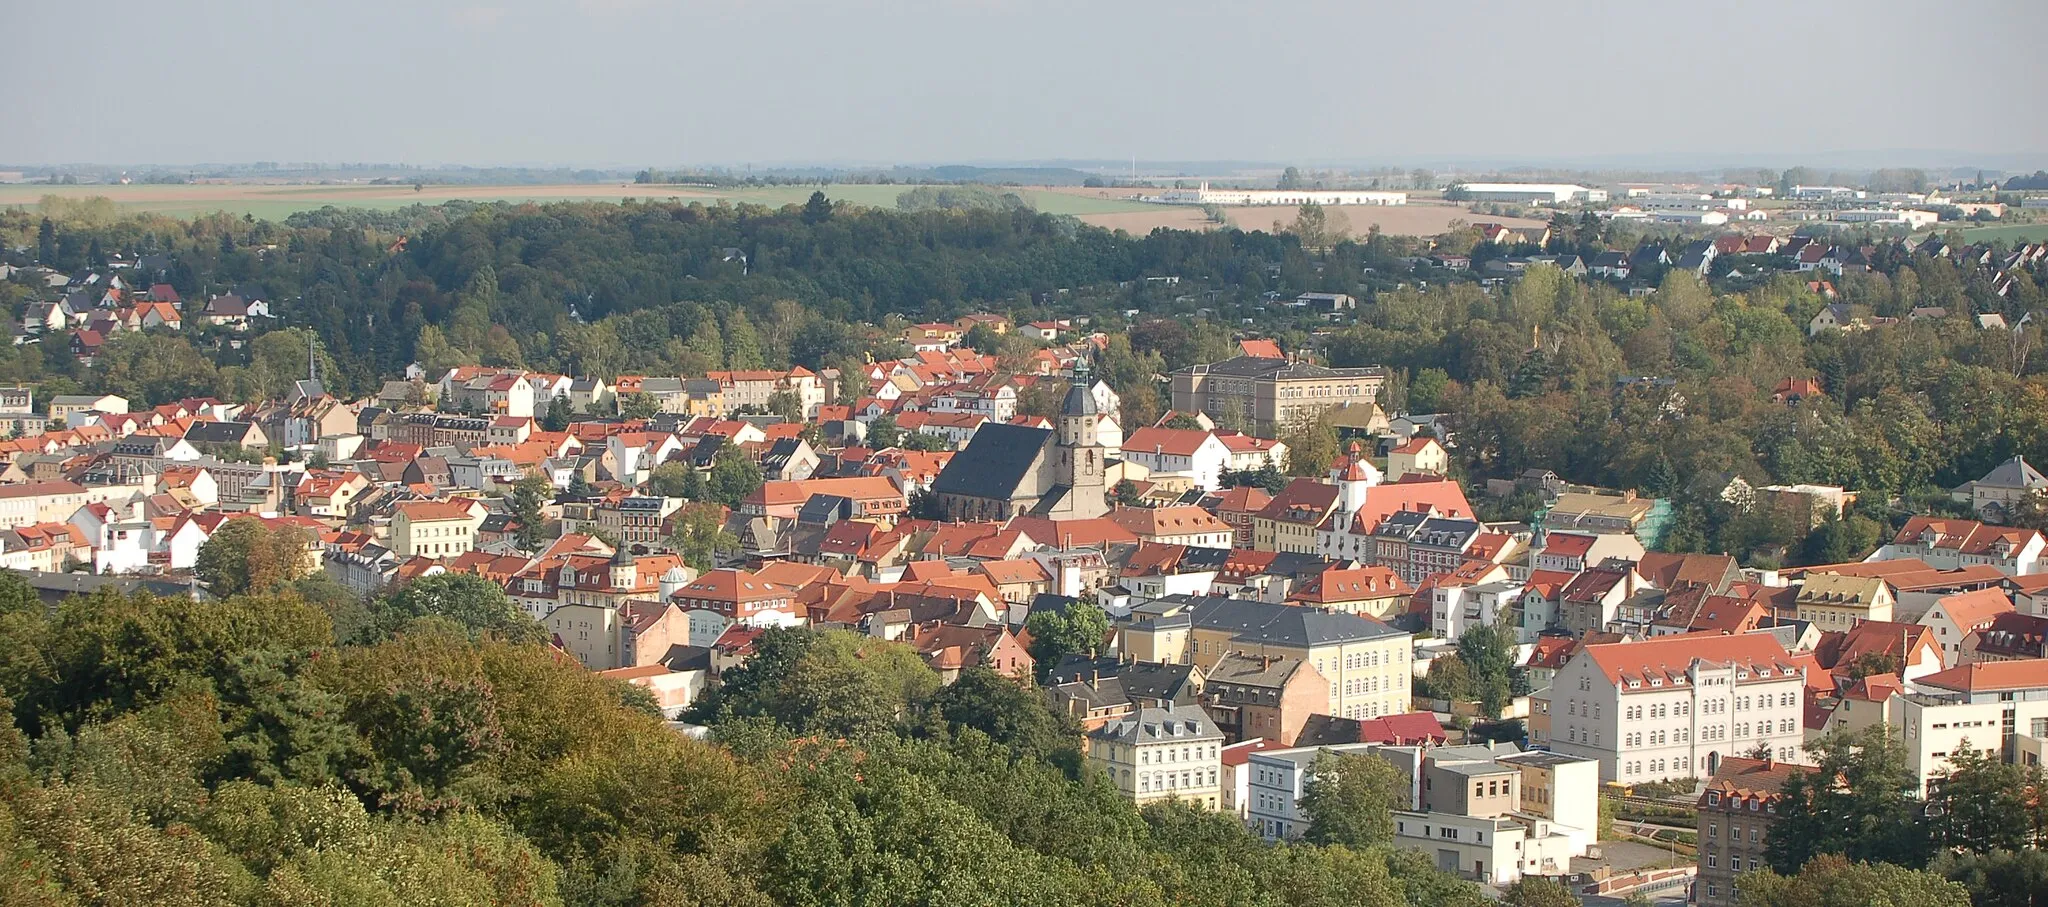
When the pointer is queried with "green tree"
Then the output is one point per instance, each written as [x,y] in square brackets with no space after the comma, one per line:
[1008,712]
[701,537]
[787,405]
[1080,629]
[529,496]
[734,475]
[883,433]
[818,209]
[557,417]
[1488,653]
[670,479]
[1535,891]
[1311,445]
[244,555]
[1869,811]
[468,600]
[1834,881]
[1349,799]
[638,405]
[1983,802]
[2001,878]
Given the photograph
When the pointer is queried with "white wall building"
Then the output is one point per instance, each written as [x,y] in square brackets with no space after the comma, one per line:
[1532,193]
[1672,706]
[1203,195]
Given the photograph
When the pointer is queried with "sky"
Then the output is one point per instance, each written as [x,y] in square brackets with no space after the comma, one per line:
[641,82]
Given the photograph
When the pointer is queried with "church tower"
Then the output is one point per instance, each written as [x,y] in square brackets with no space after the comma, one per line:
[1080,462]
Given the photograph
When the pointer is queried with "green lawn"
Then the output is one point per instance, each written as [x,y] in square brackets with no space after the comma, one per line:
[2011,233]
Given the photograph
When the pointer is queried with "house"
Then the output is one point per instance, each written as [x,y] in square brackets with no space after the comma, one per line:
[1837,602]
[1177,525]
[226,437]
[1198,455]
[722,599]
[1418,455]
[1272,698]
[1736,813]
[66,408]
[1611,264]
[1493,814]
[1162,753]
[435,529]
[1955,618]
[1367,663]
[1674,706]
[1831,317]
[232,311]
[1793,391]
[1326,302]
[1949,544]
[2007,485]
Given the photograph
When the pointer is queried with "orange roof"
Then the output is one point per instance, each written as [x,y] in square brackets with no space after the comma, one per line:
[1350,585]
[1260,349]
[1969,610]
[1014,571]
[418,511]
[1177,520]
[1177,442]
[1416,445]
[1992,676]
[1074,533]
[1668,657]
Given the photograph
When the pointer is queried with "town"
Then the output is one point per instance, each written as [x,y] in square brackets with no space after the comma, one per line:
[1241,581]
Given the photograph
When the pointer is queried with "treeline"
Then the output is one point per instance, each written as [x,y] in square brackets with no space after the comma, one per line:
[425,748]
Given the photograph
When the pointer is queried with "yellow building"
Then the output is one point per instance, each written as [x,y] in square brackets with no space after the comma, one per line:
[1831,601]
[1369,665]
[435,528]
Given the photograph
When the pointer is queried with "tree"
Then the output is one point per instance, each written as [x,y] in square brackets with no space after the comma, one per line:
[1983,802]
[557,417]
[670,479]
[1349,799]
[244,555]
[1007,712]
[1182,422]
[1311,445]
[734,475]
[1290,179]
[638,405]
[701,537]
[818,209]
[1834,881]
[1125,493]
[529,495]
[1535,891]
[1079,629]
[1488,653]
[2001,878]
[787,405]
[1868,812]
[466,599]
[883,433]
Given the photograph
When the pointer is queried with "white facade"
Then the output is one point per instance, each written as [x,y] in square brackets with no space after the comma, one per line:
[1203,195]
[1675,704]
[1536,193]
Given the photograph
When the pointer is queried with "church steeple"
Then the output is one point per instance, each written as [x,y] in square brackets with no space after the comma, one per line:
[1080,462]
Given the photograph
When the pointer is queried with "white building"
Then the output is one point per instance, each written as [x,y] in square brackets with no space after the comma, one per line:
[1672,706]
[1888,217]
[1203,195]
[1160,754]
[1532,193]
[1999,706]
[1197,455]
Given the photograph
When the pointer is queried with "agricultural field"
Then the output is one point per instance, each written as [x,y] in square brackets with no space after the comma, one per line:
[1116,209]
[2009,233]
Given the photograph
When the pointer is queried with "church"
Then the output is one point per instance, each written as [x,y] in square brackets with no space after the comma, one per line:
[1012,470]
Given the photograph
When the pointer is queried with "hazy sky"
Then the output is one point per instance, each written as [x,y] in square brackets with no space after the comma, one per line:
[637,82]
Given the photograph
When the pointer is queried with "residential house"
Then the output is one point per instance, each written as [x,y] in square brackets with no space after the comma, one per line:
[435,529]
[1162,753]
[1736,813]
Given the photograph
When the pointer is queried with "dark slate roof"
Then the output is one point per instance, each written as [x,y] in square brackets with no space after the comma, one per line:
[995,461]
[1286,625]
[1198,559]
[824,509]
[217,432]
[1079,401]
[1258,367]
[2014,473]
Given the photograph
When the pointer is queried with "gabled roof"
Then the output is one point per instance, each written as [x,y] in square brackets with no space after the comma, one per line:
[994,462]
[1668,657]
[1991,677]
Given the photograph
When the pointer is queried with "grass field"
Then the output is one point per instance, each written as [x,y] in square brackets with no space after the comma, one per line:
[1116,209]
[2008,234]
[275,202]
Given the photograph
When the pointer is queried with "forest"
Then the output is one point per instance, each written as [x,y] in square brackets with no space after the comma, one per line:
[424,748]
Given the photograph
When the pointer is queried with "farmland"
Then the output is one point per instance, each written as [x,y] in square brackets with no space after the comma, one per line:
[1112,208]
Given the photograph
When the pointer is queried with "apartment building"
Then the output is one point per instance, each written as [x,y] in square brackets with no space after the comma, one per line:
[1368,665]
[1835,602]
[1674,706]
[435,528]
[1162,753]
[1266,396]
[1736,812]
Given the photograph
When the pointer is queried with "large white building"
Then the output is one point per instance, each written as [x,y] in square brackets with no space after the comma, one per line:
[1159,754]
[1532,193]
[1489,813]
[2000,707]
[1672,706]
[1203,195]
